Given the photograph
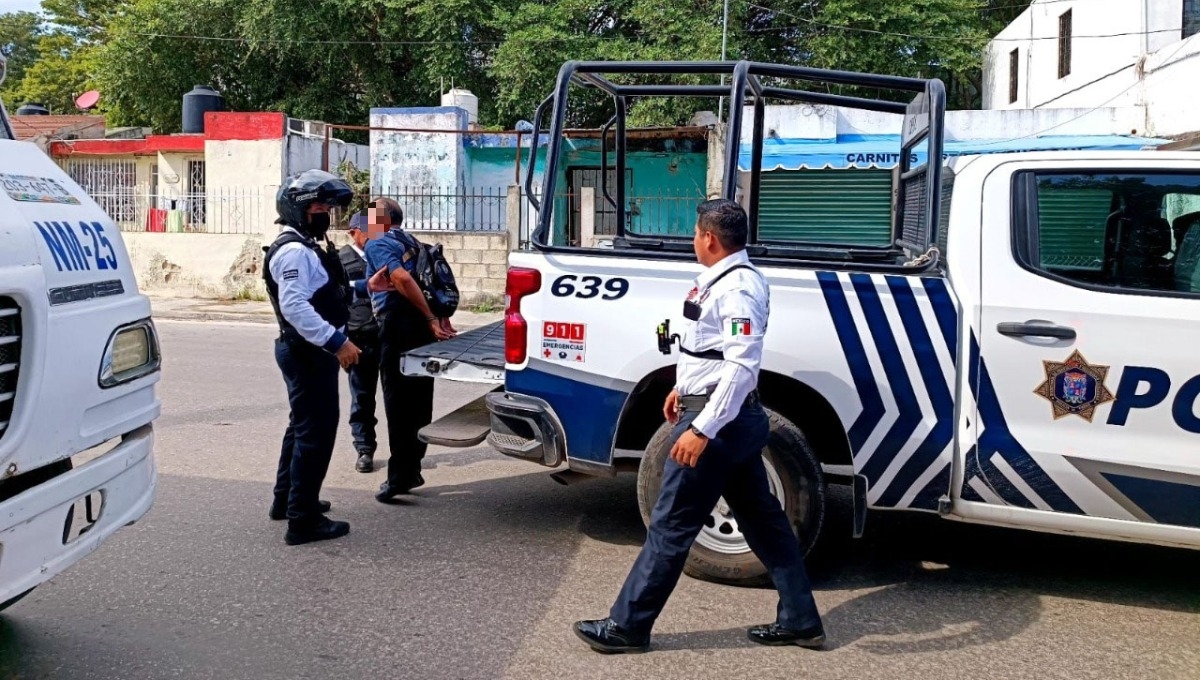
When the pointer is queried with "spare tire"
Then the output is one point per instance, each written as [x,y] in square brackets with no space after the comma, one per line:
[720,553]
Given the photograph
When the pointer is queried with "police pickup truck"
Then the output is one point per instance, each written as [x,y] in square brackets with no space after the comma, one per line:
[79,360]
[1023,353]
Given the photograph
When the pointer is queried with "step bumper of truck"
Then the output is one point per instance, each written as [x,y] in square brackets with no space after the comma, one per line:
[525,427]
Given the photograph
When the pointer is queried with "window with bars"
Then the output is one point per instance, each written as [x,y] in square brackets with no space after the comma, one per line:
[1064,44]
[195,192]
[1013,66]
[111,183]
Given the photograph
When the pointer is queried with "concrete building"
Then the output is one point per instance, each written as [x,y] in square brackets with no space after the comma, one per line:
[1084,54]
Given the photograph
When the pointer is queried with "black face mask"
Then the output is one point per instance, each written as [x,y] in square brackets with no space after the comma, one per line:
[318,224]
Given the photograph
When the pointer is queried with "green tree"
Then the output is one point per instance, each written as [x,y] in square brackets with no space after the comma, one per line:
[61,72]
[19,33]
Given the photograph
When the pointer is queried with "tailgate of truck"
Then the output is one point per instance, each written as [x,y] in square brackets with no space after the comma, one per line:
[476,356]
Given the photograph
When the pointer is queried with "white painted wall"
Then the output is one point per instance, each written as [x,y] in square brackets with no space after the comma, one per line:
[826,122]
[306,153]
[1101,67]
[419,159]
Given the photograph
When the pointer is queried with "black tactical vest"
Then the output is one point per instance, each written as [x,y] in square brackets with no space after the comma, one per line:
[331,301]
[362,319]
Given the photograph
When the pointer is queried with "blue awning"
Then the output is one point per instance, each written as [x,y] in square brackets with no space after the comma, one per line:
[883,151]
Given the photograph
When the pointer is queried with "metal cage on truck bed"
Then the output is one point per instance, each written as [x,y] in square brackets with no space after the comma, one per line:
[916,189]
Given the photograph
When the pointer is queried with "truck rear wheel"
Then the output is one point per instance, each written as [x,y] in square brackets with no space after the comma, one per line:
[720,553]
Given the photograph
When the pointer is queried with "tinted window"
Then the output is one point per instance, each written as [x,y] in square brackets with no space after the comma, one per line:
[1134,231]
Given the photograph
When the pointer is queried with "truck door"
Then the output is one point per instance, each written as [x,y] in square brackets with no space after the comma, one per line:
[1086,370]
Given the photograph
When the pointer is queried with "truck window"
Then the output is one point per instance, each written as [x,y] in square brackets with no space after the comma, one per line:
[1127,231]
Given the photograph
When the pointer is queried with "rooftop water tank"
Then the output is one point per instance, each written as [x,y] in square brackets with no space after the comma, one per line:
[463,99]
[196,103]
[33,109]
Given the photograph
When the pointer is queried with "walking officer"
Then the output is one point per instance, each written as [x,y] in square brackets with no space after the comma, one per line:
[363,331]
[719,434]
[310,295]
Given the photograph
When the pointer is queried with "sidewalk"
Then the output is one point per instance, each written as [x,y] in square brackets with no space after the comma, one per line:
[197,309]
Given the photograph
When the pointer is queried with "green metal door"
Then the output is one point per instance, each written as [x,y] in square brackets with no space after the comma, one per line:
[826,206]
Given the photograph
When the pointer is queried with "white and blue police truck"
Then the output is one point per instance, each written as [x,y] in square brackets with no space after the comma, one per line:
[1022,354]
[79,360]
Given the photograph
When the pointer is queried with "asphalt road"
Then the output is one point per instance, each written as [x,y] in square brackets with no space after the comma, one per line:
[481,574]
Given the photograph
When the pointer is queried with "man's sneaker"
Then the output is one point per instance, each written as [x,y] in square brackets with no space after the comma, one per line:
[323,529]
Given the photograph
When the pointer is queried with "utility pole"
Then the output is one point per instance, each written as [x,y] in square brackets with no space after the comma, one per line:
[724,40]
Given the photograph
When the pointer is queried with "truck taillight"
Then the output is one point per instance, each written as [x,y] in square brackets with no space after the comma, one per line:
[521,281]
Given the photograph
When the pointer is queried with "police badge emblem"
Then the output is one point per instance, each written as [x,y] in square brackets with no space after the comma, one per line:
[1074,387]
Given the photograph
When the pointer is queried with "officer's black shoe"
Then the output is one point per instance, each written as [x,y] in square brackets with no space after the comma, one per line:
[388,490]
[323,529]
[606,637]
[365,463]
[279,510]
[775,635]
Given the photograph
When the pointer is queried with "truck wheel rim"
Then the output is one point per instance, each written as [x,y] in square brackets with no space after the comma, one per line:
[720,532]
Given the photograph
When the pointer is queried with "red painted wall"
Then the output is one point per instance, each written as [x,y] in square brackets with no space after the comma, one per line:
[228,125]
[130,147]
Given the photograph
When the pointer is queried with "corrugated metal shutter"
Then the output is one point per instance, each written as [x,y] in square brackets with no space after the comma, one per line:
[1071,224]
[827,206]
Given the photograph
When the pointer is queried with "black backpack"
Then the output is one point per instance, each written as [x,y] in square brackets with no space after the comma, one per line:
[431,271]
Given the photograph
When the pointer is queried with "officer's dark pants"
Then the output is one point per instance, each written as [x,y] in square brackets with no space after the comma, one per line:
[364,379]
[311,375]
[407,400]
[730,466]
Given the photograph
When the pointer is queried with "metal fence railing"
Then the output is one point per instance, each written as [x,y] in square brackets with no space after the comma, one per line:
[230,210]
[451,208]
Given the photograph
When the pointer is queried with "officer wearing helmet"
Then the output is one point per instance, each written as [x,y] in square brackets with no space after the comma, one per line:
[310,295]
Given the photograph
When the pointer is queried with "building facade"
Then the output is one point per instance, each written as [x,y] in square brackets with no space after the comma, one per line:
[1100,53]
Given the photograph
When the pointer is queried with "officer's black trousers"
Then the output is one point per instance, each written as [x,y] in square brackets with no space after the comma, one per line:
[730,466]
[407,400]
[364,380]
[311,376]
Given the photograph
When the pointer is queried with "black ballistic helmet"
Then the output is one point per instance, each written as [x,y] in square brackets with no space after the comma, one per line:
[311,186]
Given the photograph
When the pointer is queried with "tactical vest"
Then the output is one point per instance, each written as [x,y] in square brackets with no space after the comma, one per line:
[362,319]
[331,301]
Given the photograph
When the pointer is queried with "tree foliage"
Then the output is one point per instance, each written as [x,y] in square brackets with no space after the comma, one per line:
[333,60]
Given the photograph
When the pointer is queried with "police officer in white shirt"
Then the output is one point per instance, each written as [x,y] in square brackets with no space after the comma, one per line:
[310,295]
[720,431]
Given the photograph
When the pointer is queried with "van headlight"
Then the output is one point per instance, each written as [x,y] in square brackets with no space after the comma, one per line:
[132,352]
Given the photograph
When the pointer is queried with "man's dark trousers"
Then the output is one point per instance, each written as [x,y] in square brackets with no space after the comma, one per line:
[364,379]
[311,376]
[407,400]
[730,466]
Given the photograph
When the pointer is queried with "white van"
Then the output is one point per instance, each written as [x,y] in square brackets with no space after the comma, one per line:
[79,359]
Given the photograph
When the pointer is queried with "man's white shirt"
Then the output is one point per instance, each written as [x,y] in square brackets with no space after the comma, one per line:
[733,320]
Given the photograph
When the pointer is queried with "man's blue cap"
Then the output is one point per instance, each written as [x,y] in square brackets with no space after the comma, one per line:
[359,221]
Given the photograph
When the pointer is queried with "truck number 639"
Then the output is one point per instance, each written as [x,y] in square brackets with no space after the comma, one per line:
[589,287]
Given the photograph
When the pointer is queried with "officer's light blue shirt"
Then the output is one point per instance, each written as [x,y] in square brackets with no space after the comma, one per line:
[386,251]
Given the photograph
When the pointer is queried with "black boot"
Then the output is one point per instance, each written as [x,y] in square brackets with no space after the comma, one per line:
[606,637]
[366,463]
[279,508]
[775,635]
[320,529]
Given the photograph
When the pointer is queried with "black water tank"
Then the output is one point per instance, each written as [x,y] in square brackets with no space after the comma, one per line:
[33,109]
[195,103]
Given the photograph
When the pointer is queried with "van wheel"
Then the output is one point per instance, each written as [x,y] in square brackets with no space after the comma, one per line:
[720,553]
[11,602]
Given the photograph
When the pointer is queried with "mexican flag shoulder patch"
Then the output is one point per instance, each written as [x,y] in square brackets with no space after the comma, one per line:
[740,327]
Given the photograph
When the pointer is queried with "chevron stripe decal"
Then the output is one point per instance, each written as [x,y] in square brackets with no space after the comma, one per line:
[997,446]
[904,450]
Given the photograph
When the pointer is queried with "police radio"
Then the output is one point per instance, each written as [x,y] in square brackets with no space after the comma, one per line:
[665,337]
